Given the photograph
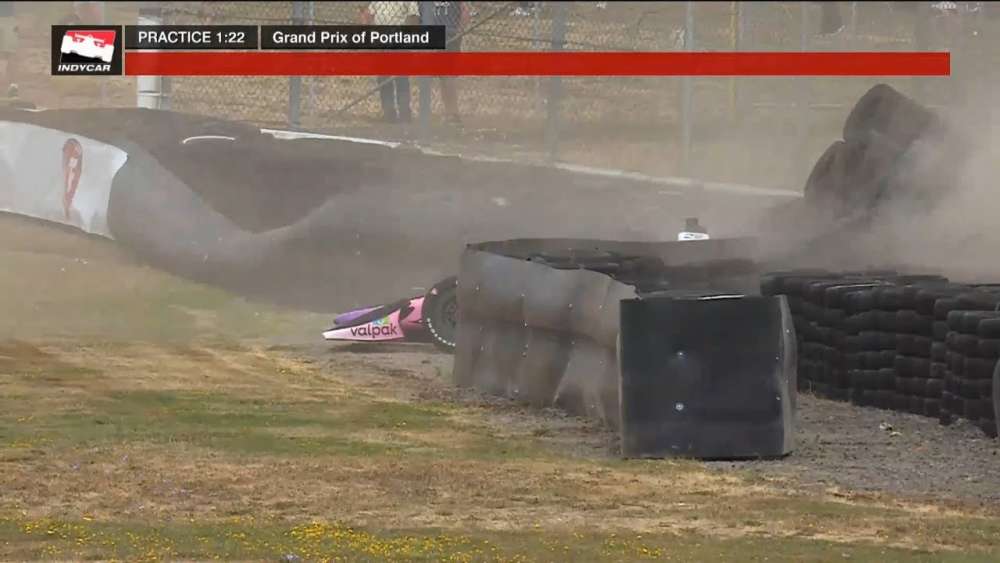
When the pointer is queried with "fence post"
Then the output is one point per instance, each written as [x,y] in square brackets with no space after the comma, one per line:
[151,91]
[309,98]
[687,87]
[424,82]
[804,89]
[921,32]
[559,16]
[539,44]
[852,32]
[102,19]
[736,31]
[295,82]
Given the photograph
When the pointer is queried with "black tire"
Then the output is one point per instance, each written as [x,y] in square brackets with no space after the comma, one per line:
[887,342]
[870,361]
[943,306]
[857,378]
[838,394]
[899,403]
[886,379]
[940,330]
[967,344]
[956,364]
[979,368]
[863,301]
[946,416]
[933,388]
[970,323]
[920,368]
[823,182]
[885,110]
[954,320]
[977,409]
[903,385]
[977,301]
[975,389]
[440,313]
[990,328]
[887,358]
[988,426]
[886,321]
[852,362]
[939,352]
[867,397]
[856,395]
[869,341]
[989,348]
[932,408]
[905,344]
[890,298]
[939,370]
[912,322]
[927,297]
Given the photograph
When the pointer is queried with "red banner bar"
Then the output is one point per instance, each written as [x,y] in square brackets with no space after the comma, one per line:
[339,63]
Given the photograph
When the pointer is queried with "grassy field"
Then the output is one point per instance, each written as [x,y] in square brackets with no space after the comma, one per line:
[146,418]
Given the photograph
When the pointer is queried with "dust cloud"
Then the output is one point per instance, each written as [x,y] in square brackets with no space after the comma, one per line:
[946,221]
[937,214]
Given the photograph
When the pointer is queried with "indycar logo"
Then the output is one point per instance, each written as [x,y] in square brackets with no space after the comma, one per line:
[90,44]
[94,50]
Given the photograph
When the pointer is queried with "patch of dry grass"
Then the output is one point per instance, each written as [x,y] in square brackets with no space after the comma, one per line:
[118,441]
[122,438]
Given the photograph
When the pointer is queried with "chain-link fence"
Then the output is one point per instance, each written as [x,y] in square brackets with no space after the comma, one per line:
[753,130]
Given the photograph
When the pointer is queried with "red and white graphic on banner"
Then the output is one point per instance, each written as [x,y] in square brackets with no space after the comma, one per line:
[57,176]
[72,164]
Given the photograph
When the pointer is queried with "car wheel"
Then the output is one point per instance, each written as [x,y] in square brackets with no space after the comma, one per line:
[440,313]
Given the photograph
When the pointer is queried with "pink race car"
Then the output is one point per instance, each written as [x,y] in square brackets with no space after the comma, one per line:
[431,316]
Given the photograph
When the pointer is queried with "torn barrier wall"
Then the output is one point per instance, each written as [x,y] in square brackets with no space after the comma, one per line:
[327,224]
[707,378]
[547,336]
[54,176]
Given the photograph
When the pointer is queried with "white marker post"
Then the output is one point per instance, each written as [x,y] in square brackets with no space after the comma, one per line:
[149,89]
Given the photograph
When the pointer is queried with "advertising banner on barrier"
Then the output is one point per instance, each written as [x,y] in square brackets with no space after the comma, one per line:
[57,176]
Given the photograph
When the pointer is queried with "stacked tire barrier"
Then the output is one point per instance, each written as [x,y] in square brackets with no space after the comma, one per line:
[917,344]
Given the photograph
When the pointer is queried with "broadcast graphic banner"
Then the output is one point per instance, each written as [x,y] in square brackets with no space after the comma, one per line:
[412,63]
[57,176]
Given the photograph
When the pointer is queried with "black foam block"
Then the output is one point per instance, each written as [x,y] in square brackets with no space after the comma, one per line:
[707,379]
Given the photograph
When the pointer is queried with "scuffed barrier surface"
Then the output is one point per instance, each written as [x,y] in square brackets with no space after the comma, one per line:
[539,318]
[539,335]
[707,378]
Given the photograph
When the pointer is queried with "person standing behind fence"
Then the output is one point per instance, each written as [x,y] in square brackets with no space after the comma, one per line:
[89,12]
[394,91]
[8,49]
[454,16]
